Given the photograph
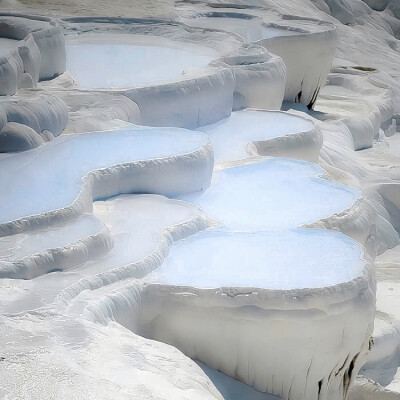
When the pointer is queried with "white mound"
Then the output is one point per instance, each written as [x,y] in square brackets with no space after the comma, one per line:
[272,194]
[84,360]
[31,49]
[231,136]
[16,137]
[6,45]
[125,66]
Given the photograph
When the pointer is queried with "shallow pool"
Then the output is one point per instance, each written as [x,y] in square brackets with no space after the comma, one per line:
[96,65]
[293,259]
[230,136]
[250,29]
[277,193]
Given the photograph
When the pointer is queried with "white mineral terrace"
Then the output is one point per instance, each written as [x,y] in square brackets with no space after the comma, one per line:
[231,137]
[199,200]
[222,296]
[110,153]
[139,227]
[298,41]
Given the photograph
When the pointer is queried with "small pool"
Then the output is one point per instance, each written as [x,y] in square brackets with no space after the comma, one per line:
[15,247]
[102,65]
[230,136]
[250,29]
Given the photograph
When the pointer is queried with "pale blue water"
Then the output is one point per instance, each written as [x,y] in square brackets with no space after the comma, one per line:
[96,66]
[276,193]
[230,136]
[290,259]
[50,177]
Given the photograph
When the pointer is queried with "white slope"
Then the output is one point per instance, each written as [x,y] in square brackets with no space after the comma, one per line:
[383,363]
[47,356]
[394,144]
[272,194]
[63,177]
[124,66]
[248,132]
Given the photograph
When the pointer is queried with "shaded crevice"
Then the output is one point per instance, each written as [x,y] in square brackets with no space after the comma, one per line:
[342,367]
[320,387]
[308,373]
[298,97]
[55,270]
[290,388]
[348,376]
[310,105]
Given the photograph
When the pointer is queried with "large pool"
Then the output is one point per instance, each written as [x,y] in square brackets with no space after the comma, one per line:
[112,65]
[50,177]
[278,260]
[276,193]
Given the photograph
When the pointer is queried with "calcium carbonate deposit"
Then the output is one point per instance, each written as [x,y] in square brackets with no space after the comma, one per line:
[200,199]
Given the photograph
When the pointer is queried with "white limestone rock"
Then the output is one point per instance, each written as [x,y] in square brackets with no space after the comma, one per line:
[288,326]
[17,137]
